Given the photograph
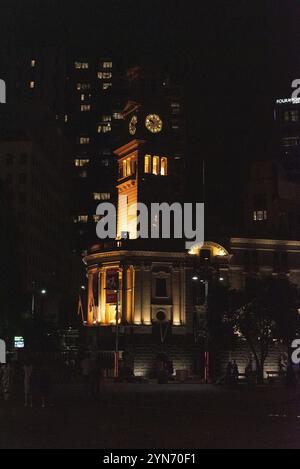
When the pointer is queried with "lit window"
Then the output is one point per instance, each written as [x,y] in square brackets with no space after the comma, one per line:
[106,86]
[33,63]
[96,218]
[126,168]
[83,86]
[84,140]
[104,75]
[81,65]
[175,108]
[66,117]
[81,219]
[155,167]
[107,64]
[260,215]
[82,97]
[102,196]
[164,167]
[104,128]
[106,118]
[85,107]
[128,164]
[118,116]
[291,141]
[291,116]
[32,84]
[147,164]
[81,162]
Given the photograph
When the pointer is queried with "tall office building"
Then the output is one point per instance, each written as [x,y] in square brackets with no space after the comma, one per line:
[287,128]
[33,169]
[92,118]
[83,92]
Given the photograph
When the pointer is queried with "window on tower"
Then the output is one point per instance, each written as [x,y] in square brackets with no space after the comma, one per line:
[148,164]
[164,167]
[126,168]
[155,165]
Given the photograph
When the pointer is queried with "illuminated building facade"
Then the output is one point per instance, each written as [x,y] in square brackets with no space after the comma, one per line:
[287,119]
[272,208]
[152,300]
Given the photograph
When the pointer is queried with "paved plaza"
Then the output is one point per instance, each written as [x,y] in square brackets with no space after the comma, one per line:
[156,417]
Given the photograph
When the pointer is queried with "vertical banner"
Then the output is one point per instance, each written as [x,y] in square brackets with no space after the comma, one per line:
[112,286]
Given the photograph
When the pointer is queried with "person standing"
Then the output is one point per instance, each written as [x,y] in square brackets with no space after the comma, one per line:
[28,372]
[235,372]
[45,385]
[6,381]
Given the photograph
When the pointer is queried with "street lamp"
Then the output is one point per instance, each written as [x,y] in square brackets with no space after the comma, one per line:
[44,292]
[195,278]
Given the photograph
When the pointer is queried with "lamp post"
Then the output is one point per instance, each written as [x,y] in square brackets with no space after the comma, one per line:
[196,278]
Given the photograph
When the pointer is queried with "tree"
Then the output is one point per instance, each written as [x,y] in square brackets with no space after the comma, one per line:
[267,312]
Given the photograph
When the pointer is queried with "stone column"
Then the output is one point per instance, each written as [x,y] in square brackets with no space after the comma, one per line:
[183,294]
[146,295]
[137,315]
[130,295]
[102,303]
[124,269]
[90,305]
[176,294]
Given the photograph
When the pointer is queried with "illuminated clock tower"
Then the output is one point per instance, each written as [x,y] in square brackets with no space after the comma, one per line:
[148,170]
[151,302]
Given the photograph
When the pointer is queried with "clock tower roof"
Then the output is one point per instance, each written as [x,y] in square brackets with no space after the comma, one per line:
[131,106]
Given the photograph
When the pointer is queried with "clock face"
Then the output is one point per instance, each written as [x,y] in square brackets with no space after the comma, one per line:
[132,125]
[154,123]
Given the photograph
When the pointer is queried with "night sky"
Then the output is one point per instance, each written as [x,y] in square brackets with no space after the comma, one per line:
[233,57]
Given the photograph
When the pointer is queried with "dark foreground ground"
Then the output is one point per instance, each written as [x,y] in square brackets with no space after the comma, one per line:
[157,417]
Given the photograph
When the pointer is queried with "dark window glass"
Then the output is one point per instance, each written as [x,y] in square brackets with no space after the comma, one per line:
[161,288]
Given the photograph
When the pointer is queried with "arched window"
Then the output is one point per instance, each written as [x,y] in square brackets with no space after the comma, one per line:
[124,169]
[155,167]
[164,167]
[147,168]
[128,172]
